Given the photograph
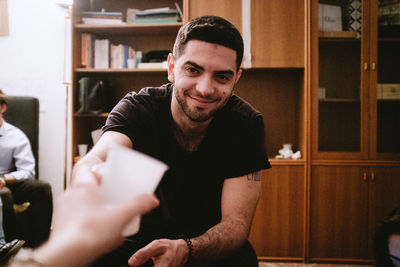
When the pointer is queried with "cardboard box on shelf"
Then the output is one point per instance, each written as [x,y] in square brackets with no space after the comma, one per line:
[390,90]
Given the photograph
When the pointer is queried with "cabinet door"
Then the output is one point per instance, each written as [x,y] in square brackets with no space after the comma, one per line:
[340,79]
[338,212]
[385,80]
[277,33]
[278,225]
[228,9]
[384,196]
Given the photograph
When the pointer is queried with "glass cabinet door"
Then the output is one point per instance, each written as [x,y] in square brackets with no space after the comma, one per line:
[388,80]
[340,83]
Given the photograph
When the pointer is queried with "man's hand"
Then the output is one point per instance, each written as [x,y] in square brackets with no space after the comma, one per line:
[2,183]
[83,219]
[163,252]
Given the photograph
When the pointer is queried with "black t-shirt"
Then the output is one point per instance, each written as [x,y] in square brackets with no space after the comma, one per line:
[190,191]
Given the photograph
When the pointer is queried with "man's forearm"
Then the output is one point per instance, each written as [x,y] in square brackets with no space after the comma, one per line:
[83,170]
[220,240]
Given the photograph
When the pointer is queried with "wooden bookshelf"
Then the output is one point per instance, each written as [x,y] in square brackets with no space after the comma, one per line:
[337,34]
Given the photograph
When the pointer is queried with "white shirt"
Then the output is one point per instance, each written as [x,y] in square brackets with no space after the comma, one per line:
[16,155]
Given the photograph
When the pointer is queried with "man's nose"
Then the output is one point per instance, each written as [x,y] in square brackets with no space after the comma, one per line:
[205,86]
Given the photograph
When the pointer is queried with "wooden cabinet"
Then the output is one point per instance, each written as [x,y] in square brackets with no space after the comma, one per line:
[339,211]
[278,34]
[270,44]
[354,130]
[279,221]
[346,204]
[228,9]
[350,120]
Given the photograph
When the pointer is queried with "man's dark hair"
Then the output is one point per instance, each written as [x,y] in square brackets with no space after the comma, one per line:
[210,29]
[3,98]
[390,226]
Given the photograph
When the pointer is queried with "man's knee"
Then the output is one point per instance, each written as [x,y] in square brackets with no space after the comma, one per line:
[43,188]
[243,257]
[6,197]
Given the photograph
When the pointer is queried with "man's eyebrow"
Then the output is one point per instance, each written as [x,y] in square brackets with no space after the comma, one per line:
[194,65]
[226,72]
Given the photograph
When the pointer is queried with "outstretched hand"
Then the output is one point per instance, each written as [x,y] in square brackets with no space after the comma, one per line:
[85,226]
[163,252]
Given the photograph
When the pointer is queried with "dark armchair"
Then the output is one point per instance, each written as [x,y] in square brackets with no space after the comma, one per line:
[32,219]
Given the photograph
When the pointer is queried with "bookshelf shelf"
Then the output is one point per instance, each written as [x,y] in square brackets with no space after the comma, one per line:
[151,28]
[275,162]
[388,100]
[85,70]
[338,34]
[101,115]
[340,100]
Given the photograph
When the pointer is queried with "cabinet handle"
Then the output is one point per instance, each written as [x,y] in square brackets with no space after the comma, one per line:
[372,176]
[364,176]
[365,66]
[373,66]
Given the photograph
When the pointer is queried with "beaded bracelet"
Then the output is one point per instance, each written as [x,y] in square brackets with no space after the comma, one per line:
[190,247]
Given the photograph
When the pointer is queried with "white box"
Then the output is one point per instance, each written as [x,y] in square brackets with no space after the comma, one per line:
[329,17]
[379,91]
[321,93]
[390,90]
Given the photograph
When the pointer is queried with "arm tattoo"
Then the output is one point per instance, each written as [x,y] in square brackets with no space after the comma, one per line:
[255,176]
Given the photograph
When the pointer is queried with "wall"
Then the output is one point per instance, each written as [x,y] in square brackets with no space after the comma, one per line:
[32,64]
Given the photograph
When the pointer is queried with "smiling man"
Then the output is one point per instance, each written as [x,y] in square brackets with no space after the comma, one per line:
[213,142]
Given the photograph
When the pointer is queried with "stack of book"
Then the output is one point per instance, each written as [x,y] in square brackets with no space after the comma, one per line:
[101,17]
[156,15]
[101,54]
[389,13]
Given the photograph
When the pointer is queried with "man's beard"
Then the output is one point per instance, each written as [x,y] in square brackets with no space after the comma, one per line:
[196,115]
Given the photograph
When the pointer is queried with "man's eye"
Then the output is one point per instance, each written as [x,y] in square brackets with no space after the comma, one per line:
[222,78]
[192,70]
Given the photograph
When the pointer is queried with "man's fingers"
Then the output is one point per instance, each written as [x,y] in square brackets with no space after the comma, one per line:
[153,249]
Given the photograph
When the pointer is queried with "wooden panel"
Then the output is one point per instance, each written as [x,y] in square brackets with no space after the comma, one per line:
[277,95]
[228,9]
[277,33]
[338,212]
[384,196]
[278,225]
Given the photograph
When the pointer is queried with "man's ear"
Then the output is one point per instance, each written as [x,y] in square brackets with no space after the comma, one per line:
[3,108]
[238,75]
[171,67]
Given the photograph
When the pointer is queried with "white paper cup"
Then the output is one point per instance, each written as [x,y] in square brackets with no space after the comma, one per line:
[82,149]
[128,173]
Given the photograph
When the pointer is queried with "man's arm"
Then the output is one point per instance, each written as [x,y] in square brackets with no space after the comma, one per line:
[238,203]
[24,162]
[239,200]
[82,172]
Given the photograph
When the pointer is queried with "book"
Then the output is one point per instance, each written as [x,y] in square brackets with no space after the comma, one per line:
[156,15]
[160,20]
[86,50]
[101,17]
[163,10]
[121,56]
[153,65]
[101,21]
[101,53]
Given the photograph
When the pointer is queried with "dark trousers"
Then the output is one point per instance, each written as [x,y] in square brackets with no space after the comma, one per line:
[32,225]
[243,257]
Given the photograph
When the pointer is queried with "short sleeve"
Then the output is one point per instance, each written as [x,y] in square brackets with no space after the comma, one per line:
[247,152]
